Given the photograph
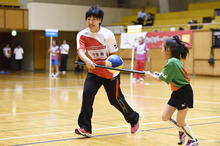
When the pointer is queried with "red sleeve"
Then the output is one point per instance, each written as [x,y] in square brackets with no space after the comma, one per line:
[82,42]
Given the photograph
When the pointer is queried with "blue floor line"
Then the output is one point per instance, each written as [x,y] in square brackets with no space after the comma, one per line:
[107,134]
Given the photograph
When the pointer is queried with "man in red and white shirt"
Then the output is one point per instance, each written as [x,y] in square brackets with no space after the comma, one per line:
[99,43]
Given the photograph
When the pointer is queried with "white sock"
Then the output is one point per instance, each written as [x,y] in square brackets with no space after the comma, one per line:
[172,122]
[187,130]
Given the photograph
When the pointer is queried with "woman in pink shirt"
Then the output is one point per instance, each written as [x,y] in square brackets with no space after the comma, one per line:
[141,51]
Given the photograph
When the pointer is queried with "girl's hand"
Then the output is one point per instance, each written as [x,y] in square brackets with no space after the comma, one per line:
[147,73]
[157,73]
[90,64]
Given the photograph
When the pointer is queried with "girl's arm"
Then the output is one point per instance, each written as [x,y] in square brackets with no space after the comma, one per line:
[154,76]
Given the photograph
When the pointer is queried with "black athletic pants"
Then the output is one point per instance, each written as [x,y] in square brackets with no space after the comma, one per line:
[7,63]
[64,58]
[19,64]
[115,96]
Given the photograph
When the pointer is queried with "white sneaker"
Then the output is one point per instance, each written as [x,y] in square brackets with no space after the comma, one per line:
[192,143]
[56,74]
[52,74]
[141,79]
[63,72]
[134,79]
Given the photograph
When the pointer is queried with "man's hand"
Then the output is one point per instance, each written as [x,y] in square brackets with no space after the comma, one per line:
[90,64]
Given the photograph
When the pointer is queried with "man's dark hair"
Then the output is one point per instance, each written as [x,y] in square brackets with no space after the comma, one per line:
[95,12]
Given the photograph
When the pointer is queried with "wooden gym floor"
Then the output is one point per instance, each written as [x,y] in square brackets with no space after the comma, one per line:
[37,110]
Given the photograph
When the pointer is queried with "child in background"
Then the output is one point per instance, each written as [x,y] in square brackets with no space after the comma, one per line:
[141,52]
[18,51]
[181,99]
[54,49]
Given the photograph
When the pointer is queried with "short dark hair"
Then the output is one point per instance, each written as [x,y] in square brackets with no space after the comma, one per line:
[177,47]
[95,12]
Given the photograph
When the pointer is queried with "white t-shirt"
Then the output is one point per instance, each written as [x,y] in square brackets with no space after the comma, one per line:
[66,47]
[18,53]
[98,45]
[6,52]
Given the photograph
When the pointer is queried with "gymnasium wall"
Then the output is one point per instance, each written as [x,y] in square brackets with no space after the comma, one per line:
[67,17]
[13,18]
[106,3]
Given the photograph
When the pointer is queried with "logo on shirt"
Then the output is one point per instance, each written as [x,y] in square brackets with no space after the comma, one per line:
[183,105]
[95,53]
[115,46]
[164,76]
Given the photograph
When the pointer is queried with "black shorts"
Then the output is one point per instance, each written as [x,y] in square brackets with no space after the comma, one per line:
[182,98]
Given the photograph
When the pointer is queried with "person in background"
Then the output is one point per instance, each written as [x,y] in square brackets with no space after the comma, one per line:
[6,58]
[142,15]
[64,48]
[54,50]
[141,52]
[149,20]
[18,51]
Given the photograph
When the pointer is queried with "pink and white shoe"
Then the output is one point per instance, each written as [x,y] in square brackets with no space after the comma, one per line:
[82,132]
[192,143]
[182,138]
[135,128]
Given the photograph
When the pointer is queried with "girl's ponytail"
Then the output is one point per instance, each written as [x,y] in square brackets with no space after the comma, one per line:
[184,51]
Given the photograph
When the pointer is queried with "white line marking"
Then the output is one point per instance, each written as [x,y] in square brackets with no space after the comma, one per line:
[60,88]
[64,132]
[46,88]
[37,135]
[30,113]
[38,77]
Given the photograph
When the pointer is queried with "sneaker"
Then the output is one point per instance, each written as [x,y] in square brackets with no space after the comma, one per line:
[57,73]
[182,138]
[82,132]
[134,80]
[63,72]
[141,79]
[135,128]
[52,75]
[192,143]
